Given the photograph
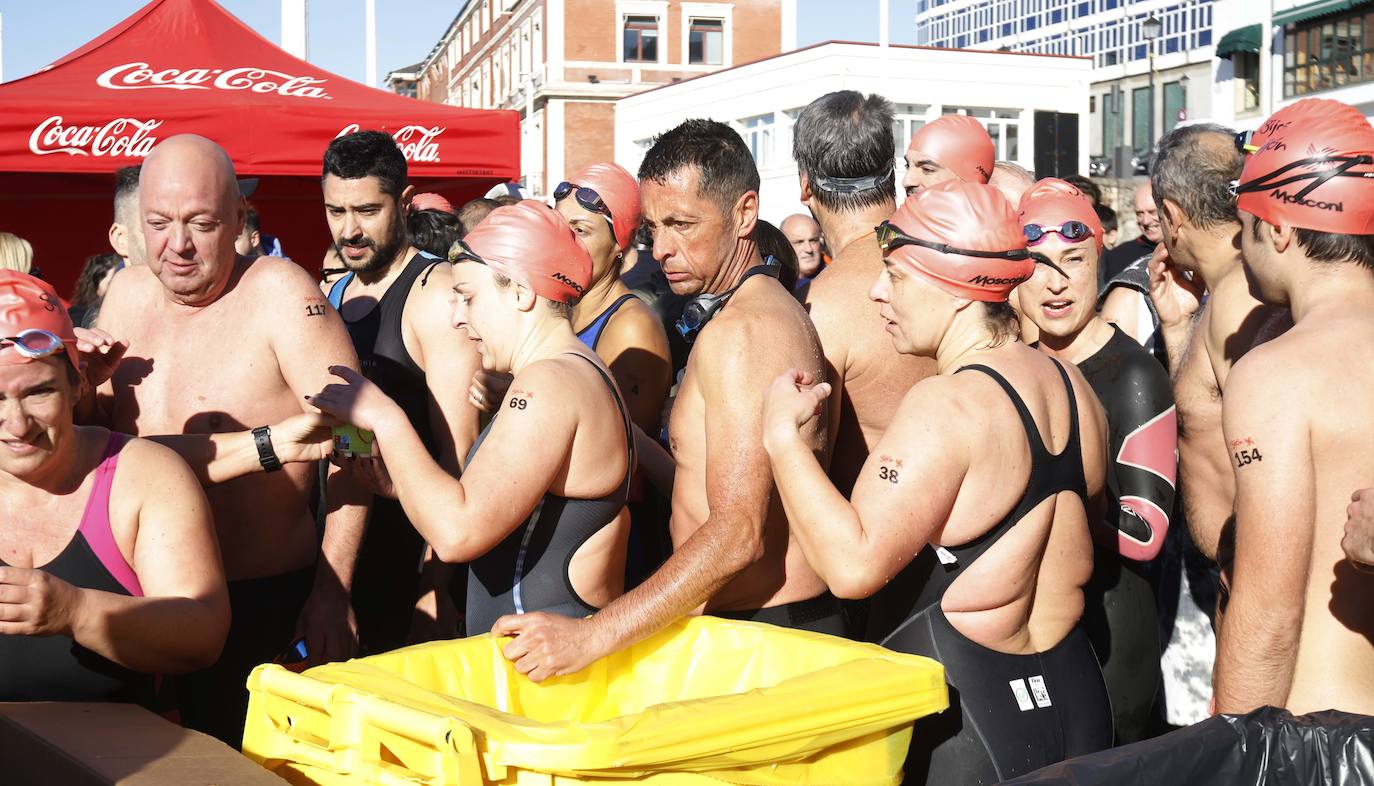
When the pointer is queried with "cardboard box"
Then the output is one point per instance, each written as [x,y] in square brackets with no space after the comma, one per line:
[89,744]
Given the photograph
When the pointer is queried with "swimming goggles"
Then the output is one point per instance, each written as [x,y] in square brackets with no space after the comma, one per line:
[891,238]
[1071,231]
[585,197]
[34,343]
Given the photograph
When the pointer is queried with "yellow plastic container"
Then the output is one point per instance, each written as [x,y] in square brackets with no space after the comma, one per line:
[707,700]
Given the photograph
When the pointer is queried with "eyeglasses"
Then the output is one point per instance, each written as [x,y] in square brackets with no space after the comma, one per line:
[891,238]
[35,343]
[585,197]
[1071,231]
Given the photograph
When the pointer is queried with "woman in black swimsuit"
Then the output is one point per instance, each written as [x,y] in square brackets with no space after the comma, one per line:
[536,514]
[991,469]
[1134,390]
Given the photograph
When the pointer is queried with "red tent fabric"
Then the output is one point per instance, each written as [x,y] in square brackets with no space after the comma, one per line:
[188,66]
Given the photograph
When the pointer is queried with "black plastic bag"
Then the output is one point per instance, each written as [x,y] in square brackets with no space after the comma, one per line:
[1268,747]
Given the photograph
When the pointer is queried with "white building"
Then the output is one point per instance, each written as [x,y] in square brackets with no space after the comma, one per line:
[1014,95]
[1125,110]
[1321,49]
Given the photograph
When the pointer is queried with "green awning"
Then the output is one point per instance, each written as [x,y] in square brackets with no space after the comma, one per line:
[1302,13]
[1242,39]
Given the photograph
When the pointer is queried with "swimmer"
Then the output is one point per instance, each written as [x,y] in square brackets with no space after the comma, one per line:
[994,467]
[950,147]
[1298,629]
[1120,615]
[536,513]
[109,573]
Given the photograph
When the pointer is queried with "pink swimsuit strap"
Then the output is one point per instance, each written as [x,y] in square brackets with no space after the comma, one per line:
[95,522]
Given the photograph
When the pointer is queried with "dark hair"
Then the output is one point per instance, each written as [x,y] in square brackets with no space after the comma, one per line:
[1195,173]
[1107,217]
[252,221]
[844,134]
[434,231]
[725,168]
[126,190]
[1001,319]
[88,283]
[367,154]
[772,242]
[474,211]
[1329,246]
[1086,186]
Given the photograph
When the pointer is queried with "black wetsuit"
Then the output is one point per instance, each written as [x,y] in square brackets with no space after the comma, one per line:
[386,581]
[1009,714]
[528,570]
[1120,614]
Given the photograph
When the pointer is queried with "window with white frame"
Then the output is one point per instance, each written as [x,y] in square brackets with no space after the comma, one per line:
[1003,125]
[640,39]
[705,41]
[758,133]
[907,119]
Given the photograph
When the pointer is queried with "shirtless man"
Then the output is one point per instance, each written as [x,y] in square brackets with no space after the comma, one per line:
[109,572]
[733,554]
[1192,172]
[216,345]
[950,147]
[844,151]
[1298,631]
[395,303]
[996,464]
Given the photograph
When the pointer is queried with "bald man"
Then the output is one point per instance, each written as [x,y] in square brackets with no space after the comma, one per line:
[804,234]
[1011,179]
[950,147]
[215,345]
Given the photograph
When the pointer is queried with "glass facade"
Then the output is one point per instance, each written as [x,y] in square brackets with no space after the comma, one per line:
[1109,31]
[1328,52]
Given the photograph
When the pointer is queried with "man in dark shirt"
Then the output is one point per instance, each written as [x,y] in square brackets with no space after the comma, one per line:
[1121,257]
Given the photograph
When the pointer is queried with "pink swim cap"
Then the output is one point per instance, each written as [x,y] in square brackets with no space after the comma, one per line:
[431,201]
[970,217]
[958,143]
[1327,135]
[28,303]
[1052,202]
[529,242]
[620,191]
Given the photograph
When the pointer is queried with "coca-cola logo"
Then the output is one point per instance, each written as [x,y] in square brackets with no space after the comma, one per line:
[141,76]
[417,143]
[121,137]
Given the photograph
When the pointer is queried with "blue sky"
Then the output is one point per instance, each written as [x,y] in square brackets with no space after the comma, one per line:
[37,33]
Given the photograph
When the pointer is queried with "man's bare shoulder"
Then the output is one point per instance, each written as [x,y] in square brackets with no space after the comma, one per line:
[1236,319]
[757,337]
[276,279]
[133,285]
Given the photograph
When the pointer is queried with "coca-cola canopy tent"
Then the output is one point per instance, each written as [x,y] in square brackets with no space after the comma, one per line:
[189,66]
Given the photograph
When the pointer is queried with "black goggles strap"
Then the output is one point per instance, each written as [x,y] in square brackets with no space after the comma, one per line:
[1268,182]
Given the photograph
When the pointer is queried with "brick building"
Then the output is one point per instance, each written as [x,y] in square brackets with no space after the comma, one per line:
[563,64]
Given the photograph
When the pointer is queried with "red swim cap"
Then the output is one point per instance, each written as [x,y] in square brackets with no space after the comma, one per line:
[967,216]
[431,201]
[28,303]
[620,191]
[1051,202]
[1305,170]
[530,242]
[958,143]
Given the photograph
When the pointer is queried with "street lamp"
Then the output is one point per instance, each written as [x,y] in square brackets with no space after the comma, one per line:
[1151,29]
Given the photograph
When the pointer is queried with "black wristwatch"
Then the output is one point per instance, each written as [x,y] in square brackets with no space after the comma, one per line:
[262,437]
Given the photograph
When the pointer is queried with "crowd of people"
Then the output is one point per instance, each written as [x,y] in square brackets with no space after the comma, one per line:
[1108,487]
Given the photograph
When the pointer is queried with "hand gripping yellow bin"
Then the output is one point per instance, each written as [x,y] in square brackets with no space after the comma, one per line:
[706,701]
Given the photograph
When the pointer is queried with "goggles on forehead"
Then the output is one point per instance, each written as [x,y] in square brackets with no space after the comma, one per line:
[1072,231]
[891,238]
[461,251]
[585,197]
[1243,142]
[34,343]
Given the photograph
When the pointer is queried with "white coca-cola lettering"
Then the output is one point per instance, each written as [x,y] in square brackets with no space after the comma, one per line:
[417,143]
[121,137]
[141,76]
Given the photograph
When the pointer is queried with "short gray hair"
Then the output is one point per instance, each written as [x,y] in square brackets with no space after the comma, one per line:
[846,135]
[1193,169]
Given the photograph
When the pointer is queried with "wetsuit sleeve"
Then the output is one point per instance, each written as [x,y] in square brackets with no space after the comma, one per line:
[1144,449]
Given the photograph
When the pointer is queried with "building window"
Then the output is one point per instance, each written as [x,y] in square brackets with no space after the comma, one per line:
[1175,101]
[758,136]
[907,119]
[1246,65]
[705,42]
[1142,135]
[1112,129]
[1324,54]
[641,39]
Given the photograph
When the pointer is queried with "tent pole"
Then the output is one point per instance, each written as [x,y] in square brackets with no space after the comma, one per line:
[295,28]
[371,80]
